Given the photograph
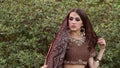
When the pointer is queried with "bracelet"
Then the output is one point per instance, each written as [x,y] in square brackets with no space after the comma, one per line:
[97,60]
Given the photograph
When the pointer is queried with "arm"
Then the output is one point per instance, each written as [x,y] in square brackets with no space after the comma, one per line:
[92,62]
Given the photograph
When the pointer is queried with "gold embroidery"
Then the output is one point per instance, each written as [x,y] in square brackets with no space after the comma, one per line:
[76,41]
[76,62]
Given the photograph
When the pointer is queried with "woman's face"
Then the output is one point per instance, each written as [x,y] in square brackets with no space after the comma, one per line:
[75,21]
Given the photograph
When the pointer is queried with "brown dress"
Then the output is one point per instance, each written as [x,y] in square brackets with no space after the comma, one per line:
[77,54]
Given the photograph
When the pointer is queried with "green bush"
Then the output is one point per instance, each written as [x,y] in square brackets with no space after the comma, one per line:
[27,28]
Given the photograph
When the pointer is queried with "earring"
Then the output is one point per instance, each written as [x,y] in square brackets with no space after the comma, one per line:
[82,30]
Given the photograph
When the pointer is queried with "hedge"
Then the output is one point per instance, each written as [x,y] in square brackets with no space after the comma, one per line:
[27,27]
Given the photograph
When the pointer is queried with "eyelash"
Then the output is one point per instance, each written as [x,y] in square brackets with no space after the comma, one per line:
[77,19]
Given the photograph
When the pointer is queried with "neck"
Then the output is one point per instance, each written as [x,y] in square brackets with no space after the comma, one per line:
[75,34]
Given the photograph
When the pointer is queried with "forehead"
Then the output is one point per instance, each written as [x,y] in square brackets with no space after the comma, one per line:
[74,14]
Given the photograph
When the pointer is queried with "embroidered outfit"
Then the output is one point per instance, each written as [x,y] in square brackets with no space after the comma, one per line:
[77,54]
[64,51]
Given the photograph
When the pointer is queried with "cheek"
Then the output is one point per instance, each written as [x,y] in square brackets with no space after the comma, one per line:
[79,24]
[69,23]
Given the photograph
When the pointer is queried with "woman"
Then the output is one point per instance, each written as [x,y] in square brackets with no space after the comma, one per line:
[74,44]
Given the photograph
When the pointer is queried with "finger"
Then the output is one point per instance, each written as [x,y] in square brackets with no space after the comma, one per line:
[100,41]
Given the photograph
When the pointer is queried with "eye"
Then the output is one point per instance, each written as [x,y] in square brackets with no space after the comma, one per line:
[77,19]
[71,18]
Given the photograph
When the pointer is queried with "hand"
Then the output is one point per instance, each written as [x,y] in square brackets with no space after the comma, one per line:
[102,43]
[45,66]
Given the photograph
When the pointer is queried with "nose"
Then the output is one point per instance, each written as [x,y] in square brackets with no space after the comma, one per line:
[73,21]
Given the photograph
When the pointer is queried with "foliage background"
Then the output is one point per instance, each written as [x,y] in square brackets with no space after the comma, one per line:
[27,27]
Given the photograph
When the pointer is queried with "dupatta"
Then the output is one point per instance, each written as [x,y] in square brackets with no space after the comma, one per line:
[56,52]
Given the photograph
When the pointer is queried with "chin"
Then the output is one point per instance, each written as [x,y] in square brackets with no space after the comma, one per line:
[73,29]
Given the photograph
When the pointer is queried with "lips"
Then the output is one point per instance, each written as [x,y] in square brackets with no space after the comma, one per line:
[73,26]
